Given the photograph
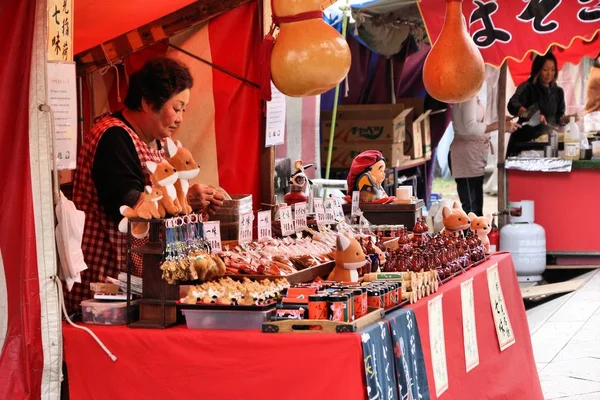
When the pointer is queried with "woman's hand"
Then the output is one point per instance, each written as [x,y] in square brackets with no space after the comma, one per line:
[205,199]
[543,120]
[511,126]
[522,111]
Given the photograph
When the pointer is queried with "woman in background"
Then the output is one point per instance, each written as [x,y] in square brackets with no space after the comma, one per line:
[469,151]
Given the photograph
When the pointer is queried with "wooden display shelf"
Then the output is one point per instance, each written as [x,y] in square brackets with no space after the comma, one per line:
[323,326]
[303,276]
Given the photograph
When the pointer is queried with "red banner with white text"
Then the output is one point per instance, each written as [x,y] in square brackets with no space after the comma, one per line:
[511,29]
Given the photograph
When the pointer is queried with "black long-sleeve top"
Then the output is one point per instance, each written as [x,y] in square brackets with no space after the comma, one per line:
[550,100]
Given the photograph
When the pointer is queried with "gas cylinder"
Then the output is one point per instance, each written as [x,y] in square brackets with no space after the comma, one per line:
[525,240]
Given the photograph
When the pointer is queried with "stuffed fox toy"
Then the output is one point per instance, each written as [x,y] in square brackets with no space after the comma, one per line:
[455,220]
[349,257]
[164,176]
[482,226]
[146,208]
[181,159]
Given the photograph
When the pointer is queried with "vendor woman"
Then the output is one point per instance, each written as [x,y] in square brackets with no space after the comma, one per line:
[111,167]
[539,92]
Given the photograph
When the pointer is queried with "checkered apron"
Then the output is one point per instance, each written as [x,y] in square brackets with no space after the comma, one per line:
[104,247]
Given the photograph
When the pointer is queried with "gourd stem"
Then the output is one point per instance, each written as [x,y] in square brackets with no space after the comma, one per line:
[335,103]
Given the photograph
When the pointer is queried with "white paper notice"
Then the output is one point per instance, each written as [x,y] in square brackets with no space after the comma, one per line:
[438,345]
[355,203]
[275,118]
[62,95]
[287,221]
[506,336]
[264,226]
[469,326]
[300,216]
[320,211]
[245,228]
[212,234]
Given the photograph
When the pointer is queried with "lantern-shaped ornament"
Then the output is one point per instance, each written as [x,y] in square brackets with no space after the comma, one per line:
[308,56]
[454,70]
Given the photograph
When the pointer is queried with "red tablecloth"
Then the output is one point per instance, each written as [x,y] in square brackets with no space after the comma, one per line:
[507,375]
[565,205]
[194,364]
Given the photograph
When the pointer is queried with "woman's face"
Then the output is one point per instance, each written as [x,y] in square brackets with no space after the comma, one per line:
[164,122]
[378,172]
[548,72]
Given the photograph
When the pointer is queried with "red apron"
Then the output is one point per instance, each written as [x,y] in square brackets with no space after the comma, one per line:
[104,247]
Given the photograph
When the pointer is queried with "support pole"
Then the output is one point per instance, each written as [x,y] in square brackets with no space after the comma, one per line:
[502,187]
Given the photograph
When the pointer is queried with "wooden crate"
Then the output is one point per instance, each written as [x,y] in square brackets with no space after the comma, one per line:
[323,326]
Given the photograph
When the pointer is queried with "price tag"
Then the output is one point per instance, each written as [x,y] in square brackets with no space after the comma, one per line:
[212,233]
[245,228]
[287,221]
[329,211]
[355,203]
[300,216]
[264,226]
[320,211]
[339,211]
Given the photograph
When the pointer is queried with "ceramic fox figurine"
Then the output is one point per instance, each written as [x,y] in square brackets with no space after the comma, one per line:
[482,226]
[349,258]
[181,159]
[455,220]
[147,208]
[164,177]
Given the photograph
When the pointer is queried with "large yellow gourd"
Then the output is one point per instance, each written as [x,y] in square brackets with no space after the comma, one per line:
[454,70]
[309,57]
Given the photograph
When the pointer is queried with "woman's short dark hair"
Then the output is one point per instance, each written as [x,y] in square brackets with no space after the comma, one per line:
[156,82]
[538,64]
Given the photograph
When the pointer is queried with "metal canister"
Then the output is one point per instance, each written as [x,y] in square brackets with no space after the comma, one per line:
[351,311]
[358,311]
[338,308]
[374,298]
[317,306]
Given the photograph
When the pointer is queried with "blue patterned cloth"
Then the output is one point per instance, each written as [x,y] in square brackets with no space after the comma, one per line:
[411,376]
[380,369]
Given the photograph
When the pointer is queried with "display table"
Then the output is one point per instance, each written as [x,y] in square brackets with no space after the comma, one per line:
[565,205]
[195,364]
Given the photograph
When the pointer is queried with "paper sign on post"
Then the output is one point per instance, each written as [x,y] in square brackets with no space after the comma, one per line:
[300,216]
[355,204]
[245,228]
[287,222]
[329,211]
[62,98]
[320,211]
[264,226]
[275,118]
[212,234]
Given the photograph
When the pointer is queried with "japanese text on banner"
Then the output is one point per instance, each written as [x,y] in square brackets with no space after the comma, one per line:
[506,336]
[469,326]
[60,32]
[212,233]
[438,345]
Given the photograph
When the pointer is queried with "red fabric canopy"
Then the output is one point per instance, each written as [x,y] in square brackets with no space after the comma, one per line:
[97,21]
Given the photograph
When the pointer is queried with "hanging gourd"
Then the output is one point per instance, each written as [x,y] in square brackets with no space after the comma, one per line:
[454,70]
[308,57]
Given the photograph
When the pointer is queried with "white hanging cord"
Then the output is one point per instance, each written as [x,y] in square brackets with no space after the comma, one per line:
[55,183]
[88,330]
[110,65]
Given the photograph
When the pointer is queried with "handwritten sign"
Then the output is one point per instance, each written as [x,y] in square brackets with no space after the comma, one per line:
[62,98]
[320,211]
[212,234]
[275,118]
[339,211]
[60,32]
[264,226]
[245,228]
[469,327]
[300,211]
[355,203]
[287,221]
[438,345]
[506,336]
[329,211]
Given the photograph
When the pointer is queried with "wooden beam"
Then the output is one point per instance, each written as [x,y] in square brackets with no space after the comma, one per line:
[160,29]
[551,289]
[267,154]
[502,187]
[583,266]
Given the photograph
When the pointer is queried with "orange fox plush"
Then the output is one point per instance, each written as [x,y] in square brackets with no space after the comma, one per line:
[482,226]
[147,208]
[349,257]
[455,220]
[181,159]
[164,177]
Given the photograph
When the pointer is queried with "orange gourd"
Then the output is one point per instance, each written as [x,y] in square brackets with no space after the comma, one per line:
[309,57]
[454,70]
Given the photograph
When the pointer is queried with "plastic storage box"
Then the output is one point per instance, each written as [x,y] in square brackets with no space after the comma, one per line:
[227,319]
[105,312]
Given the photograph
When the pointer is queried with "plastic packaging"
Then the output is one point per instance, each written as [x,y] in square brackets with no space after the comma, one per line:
[104,312]
[226,319]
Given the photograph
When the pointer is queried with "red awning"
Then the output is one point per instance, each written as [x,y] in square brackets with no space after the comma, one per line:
[97,21]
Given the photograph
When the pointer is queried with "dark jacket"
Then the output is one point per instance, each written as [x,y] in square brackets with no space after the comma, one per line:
[550,100]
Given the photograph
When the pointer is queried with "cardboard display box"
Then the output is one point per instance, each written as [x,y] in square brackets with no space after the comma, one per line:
[344,153]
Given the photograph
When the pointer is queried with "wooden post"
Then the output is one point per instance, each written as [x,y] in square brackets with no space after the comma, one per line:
[267,157]
[502,187]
